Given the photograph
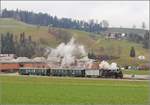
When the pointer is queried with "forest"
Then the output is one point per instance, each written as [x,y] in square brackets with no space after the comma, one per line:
[43,19]
[22,46]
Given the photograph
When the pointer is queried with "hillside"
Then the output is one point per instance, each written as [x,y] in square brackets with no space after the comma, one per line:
[92,42]
[40,33]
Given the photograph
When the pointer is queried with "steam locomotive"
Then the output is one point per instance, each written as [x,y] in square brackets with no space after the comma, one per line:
[103,73]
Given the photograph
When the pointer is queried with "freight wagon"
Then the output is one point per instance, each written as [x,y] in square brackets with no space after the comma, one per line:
[71,72]
[92,73]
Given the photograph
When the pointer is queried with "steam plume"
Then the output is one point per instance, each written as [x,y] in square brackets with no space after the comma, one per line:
[106,65]
[67,53]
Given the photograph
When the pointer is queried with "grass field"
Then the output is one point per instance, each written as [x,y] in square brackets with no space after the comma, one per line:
[137,72]
[46,90]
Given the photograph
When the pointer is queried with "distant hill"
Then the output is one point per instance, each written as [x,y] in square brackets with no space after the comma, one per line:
[93,42]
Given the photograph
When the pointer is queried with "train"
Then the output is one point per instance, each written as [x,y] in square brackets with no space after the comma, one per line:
[72,72]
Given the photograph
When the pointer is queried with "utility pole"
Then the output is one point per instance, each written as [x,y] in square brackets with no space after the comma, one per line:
[0,10]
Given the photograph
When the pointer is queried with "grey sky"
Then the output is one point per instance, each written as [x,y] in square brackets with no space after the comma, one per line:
[118,13]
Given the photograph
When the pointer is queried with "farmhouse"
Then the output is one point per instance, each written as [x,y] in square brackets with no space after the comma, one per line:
[116,35]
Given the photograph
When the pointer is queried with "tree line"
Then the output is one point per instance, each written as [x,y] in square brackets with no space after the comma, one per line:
[44,19]
[22,46]
[146,41]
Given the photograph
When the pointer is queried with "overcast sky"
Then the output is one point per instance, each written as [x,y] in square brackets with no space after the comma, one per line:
[117,13]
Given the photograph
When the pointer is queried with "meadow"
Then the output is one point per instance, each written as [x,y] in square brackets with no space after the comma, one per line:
[65,90]
[136,72]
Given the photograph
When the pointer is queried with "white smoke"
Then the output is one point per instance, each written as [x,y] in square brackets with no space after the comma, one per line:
[67,53]
[89,64]
[113,66]
[68,60]
[106,65]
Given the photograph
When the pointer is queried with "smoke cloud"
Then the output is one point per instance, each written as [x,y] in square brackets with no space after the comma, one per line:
[106,65]
[73,54]
[67,53]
